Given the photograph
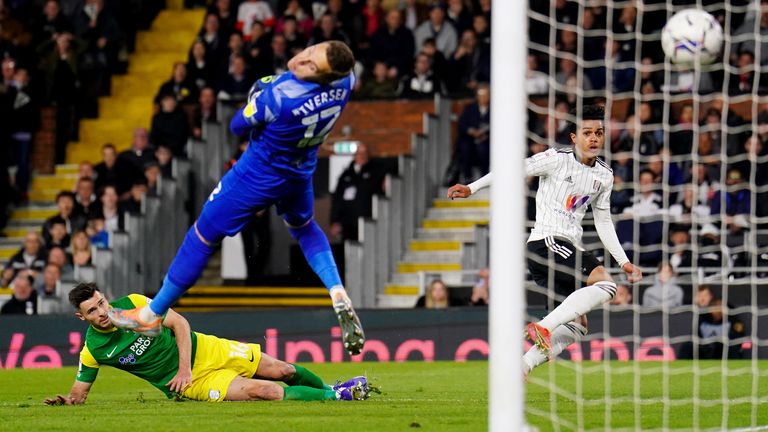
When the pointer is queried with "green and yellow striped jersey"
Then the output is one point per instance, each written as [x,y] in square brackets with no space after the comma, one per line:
[154,359]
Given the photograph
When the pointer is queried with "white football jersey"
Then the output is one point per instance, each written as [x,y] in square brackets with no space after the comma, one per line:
[566,188]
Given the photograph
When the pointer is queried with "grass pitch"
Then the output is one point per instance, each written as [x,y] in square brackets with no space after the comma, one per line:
[440,396]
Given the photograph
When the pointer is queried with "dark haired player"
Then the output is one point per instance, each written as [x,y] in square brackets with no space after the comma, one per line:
[192,365]
[570,180]
[287,117]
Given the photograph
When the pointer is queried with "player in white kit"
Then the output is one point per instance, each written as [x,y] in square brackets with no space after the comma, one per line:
[570,180]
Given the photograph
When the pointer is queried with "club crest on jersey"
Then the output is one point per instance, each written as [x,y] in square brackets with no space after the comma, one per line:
[573,202]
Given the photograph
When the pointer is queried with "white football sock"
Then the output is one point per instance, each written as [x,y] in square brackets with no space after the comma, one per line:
[562,337]
[579,303]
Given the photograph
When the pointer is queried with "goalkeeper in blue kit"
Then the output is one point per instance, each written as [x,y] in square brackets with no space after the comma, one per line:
[287,117]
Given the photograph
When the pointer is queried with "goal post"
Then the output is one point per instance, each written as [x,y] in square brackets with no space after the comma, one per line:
[508,138]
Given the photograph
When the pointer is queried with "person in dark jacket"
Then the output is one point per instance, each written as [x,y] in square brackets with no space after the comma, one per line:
[169,126]
[30,257]
[354,194]
[24,300]
[473,144]
[393,45]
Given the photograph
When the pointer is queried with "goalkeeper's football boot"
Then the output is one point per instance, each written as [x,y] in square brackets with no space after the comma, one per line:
[130,319]
[351,329]
[540,337]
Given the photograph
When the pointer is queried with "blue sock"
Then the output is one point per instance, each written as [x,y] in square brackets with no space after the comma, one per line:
[317,251]
[185,269]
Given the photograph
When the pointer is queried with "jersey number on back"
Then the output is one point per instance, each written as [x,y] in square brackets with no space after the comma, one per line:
[310,137]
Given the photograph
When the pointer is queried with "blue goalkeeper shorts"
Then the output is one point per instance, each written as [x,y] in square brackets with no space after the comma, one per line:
[247,189]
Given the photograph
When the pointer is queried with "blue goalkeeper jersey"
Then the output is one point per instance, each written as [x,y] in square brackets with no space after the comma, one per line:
[288,119]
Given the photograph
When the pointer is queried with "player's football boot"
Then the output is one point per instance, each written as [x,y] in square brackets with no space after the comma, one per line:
[540,337]
[129,319]
[358,380]
[351,329]
[355,389]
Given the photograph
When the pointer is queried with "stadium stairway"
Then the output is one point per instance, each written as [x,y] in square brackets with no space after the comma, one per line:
[130,104]
[208,298]
[40,207]
[438,247]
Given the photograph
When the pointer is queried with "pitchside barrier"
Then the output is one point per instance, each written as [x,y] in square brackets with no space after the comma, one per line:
[311,335]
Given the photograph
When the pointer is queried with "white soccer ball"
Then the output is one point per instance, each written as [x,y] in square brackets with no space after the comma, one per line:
[692,36]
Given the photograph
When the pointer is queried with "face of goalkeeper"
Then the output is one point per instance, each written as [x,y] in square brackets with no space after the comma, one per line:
[588,140]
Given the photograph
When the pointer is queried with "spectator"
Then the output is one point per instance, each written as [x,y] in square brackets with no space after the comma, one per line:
[58,257]
[24,300]
[140,153]
[205,111]
[57,234]
[459,15]
[736,201]
[113,217]
[51,23]
[103,35]
[152,173]
[566,70]
[258,53]
[112,170]
[165,161]
[436,27]
[279,55]
[647,203]
[169,126]
[665,291]
[482,28]
[623,296]
[354,194]
[393,44]
[680,255]
[199,70]
[326,30]
[712,329]
[61,67]
[379,85]
[237,82]
[31,256]
[85,198]
[48,282]
[536,82]
[422,82]
[480,291]
[213,39]
[81,249]
[414,13]
[97,232]
[473,143]
[182,88]
[295,37]
[743,80]
[65,201]
[251,11]
[23,120]
[470,64]
[436,297]
[235,48]
[85,169]
[437,60]
[132,205]
[744,38]
[688,208]
[227,17]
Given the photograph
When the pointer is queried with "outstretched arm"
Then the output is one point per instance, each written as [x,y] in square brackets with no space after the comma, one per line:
[182,332]
[607,233]
[77,395]
[463,191]
[239,124]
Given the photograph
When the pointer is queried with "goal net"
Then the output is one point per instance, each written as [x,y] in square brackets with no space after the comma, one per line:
[687,347]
